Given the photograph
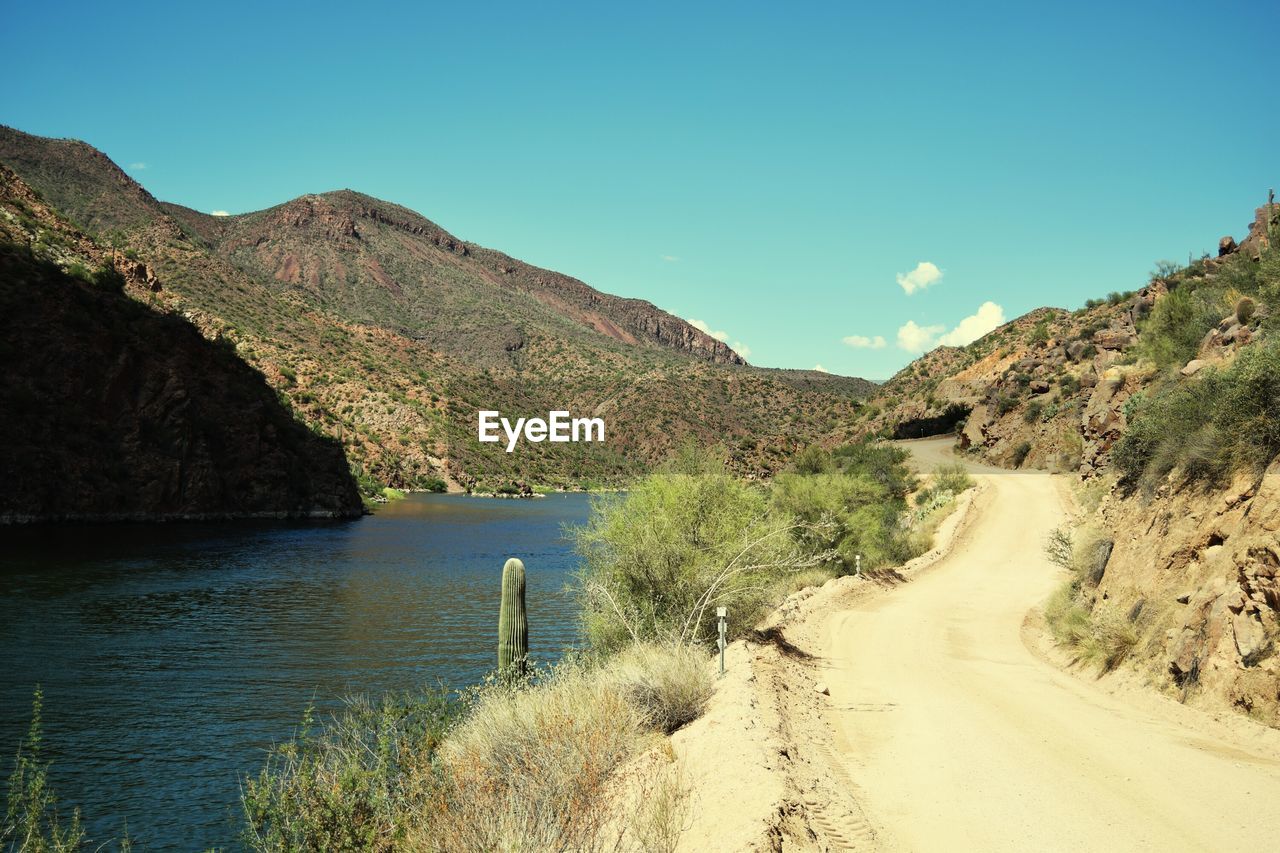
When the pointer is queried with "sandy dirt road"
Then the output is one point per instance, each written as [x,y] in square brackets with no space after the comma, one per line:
[959,737]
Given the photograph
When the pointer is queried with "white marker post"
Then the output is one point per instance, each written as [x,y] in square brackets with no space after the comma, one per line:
[721,614]
[857,564]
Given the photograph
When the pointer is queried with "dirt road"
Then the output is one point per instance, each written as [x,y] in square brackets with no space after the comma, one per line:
[958,737]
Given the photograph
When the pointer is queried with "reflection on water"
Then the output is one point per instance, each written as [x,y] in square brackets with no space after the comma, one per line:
[171,655]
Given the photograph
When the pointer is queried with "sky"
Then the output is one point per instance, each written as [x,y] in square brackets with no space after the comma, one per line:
[819,184]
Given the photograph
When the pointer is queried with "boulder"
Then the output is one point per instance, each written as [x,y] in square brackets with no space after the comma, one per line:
[1193,367]
[1039,386]
[1096,558]
[1226,246]
[1251,639]
[1113,339]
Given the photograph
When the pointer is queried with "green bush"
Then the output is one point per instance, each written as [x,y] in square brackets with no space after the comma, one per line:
[1207,426]
[658,561]
[353,783]
[1171,334]
[952,478]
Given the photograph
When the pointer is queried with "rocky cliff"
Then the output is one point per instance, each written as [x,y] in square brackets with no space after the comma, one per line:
[115,410]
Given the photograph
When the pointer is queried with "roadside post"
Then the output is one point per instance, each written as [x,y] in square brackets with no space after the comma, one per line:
[857,564]
[721,614]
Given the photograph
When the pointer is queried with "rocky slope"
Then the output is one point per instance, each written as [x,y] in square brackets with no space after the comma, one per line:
[114,410]
[1188,516]
[383,330]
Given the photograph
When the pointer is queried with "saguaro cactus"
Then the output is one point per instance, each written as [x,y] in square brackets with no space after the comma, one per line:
[513,626]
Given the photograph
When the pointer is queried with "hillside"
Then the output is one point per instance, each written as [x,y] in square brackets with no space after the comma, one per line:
[1164,405]
[383,330]
[116,411]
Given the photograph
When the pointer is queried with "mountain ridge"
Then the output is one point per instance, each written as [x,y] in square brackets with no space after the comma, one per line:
[389,333]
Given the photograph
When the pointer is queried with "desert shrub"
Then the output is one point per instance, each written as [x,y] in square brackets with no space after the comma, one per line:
[952,477]
[1207,426]
[667,685]
[662,814]
[108,278]
[1172,332]
[1245,309]
[357,782]
[1020,454]
[813,460]
[31,822]
[1098,634]
[849,509]
[658,561]
[1164,270]
[530,768]
[883,463]
[1067,616]
[1006,403]
[1033,411]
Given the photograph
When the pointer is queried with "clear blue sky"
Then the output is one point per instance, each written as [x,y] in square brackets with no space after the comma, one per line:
[768,169]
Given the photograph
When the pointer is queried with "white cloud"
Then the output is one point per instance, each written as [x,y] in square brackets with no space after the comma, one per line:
[721,336]
[820,368]
[218,213]
[919,278]
[671,259]
[137,167]
[915,338]
[741,349]
[988,317]
[864,342]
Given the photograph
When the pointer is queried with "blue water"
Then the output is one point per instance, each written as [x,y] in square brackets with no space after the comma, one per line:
[171,656]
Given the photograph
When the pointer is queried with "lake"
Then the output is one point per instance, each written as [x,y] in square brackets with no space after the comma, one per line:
[172,655]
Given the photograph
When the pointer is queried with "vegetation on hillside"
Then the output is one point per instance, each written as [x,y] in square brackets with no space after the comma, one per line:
[1227,416]
[382,331]
[1099,634]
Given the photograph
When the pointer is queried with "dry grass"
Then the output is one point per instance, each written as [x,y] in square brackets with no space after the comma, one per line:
[662,812]
[536,768]
[669,686]
[528,769]
[1098,634]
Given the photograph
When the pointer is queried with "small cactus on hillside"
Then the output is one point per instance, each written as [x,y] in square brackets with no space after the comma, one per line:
[1244,310]
[513,626]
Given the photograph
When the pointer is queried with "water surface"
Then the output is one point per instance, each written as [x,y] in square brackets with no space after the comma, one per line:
[172,655]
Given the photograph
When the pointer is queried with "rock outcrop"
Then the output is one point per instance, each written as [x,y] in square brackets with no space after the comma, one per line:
[1202,570]
[117,411]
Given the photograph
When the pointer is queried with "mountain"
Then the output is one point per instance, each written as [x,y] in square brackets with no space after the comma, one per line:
[115,411]
[1163,407]
[385,331]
